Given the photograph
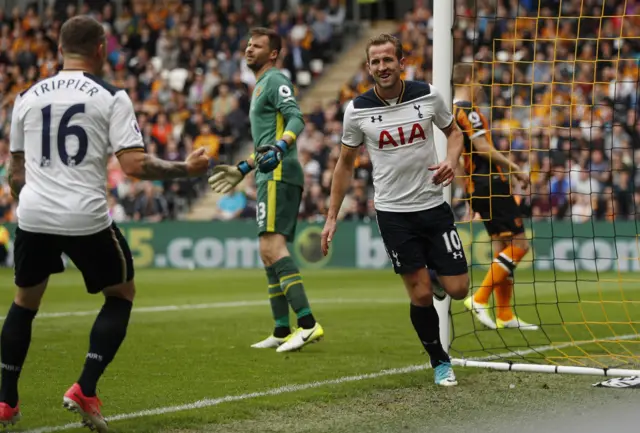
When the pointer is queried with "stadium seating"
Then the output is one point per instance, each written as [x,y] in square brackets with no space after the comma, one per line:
[184,72]
[173,77]
[585,156]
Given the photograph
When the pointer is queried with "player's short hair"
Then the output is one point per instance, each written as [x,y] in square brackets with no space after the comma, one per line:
[81,35]
[385,38]
[275,41]
[462,71]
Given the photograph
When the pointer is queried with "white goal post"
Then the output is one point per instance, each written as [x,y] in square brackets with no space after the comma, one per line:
[442,70]
[443,41]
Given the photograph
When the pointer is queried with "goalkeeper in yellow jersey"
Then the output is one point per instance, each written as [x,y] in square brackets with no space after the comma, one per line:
[276,121]
[490,193]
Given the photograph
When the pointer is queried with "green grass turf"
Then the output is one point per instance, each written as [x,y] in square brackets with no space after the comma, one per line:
[176,357]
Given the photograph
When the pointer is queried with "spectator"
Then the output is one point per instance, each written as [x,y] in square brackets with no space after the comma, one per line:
[297,59]
[150,206]
[208,140]
[560,190]
[231,205]
[565,109]
[183,70]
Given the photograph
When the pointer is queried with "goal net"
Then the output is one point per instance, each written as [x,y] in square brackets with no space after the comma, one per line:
[558,82]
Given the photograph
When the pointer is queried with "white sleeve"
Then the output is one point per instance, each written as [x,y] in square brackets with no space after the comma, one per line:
[352,135]
[442,115]
[16,137]
[124,132]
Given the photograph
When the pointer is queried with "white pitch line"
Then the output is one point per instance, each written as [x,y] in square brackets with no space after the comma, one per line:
[209,402]
[232,304]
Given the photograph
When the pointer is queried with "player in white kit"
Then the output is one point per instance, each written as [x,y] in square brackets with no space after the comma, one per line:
[63,132]
[394,120]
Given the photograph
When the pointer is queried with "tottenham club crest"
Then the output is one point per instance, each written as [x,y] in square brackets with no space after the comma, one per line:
[417,108]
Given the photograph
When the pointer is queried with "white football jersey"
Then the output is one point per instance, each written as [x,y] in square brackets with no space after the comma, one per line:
[68,126]
[399,139]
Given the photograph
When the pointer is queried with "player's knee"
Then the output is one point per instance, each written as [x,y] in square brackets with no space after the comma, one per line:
[422,298]
[27,300]
[419,289]
[125,291]
[266,254]
[458,288]
[522,244]
[30,297]
[272,248]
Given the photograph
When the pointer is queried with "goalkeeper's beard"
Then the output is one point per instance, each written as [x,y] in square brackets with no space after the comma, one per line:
[256,66]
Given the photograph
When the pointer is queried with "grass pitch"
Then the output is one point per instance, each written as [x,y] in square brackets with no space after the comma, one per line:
[187,361]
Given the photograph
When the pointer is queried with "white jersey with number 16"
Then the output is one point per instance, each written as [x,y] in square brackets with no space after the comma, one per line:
[68,126]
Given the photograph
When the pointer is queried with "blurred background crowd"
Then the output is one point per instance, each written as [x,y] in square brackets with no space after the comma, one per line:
[561,95]
[185,73]
[561,103]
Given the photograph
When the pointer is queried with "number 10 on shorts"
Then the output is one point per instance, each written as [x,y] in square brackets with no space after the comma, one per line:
[453,244]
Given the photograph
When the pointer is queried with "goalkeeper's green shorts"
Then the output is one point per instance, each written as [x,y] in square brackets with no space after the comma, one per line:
[277,208]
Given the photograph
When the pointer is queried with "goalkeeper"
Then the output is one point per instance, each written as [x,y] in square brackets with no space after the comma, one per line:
[491,197]
[276,121]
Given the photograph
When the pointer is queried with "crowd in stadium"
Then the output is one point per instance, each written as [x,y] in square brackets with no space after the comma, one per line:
[184,71]
[579,141]
[187,78]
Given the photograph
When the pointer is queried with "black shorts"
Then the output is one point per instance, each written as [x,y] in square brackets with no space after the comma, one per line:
[498,209]
[426,238]
[104,258]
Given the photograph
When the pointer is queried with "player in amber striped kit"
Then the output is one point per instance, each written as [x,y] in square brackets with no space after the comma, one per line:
[490,191]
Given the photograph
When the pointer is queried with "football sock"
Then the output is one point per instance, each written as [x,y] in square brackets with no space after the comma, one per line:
[279,304]
[107,335]
[427,325]
[14,341]
[292,287]
[503,265]
[504,290]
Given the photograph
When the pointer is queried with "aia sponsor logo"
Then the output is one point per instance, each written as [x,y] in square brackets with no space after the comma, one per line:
[401,136]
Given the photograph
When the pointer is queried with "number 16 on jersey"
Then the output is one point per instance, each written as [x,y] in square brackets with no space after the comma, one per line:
[64,130]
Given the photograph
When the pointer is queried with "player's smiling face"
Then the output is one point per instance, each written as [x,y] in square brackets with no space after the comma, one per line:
[384,65]
[258,53]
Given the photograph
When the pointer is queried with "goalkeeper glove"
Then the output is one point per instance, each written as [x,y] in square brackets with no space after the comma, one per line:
[225,177]
[269,156]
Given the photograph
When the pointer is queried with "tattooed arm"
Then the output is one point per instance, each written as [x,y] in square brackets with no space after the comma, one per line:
[146,167]
[127,141]
[16,174]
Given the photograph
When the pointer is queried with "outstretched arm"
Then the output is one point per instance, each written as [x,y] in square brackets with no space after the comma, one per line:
[144,166]
[126,137]
[487,151]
